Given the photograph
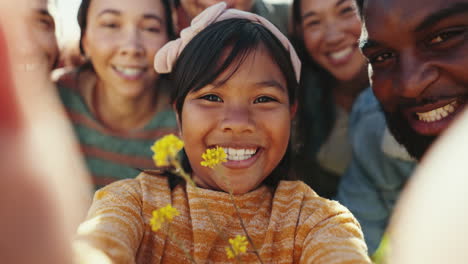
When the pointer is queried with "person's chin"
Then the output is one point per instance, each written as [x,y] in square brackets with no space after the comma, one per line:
[415,143]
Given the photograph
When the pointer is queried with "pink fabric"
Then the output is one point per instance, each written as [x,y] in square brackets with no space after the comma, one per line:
[167,55]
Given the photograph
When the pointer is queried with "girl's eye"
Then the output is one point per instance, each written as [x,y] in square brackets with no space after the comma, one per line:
[211,98]
[445,36]
[264,99]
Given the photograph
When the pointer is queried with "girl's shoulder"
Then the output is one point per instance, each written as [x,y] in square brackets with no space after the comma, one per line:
[308,200]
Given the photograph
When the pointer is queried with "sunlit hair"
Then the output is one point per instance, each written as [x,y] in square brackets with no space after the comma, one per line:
[224,46]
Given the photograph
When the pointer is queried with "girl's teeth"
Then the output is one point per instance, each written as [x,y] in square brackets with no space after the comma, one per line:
[239,154]
[439,113]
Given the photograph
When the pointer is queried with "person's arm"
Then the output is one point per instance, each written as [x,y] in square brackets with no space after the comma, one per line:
[114,228]
[361,196]
[430,221]
[374,179]
[44,189]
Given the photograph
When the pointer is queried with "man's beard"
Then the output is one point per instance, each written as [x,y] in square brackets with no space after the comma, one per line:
[416,144]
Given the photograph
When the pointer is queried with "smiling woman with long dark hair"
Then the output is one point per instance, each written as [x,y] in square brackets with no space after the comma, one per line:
[326,34]
[116,101]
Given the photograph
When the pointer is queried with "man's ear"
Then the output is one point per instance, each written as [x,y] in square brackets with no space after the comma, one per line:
[293,109]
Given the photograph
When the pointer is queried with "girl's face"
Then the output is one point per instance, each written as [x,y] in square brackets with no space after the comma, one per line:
[331,31]
[121,40]
[249,115]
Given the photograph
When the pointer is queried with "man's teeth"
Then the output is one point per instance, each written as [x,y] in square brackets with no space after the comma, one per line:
[239,154]
[130,71]
[439,113]
[341,54]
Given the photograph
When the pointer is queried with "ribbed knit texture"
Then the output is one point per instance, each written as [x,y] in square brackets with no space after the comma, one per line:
[289,225]
[112,155]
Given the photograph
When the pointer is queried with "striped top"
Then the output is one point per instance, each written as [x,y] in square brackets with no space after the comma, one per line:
[112,155]
[289,225]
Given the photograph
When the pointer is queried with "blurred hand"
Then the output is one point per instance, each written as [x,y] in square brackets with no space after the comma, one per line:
[430,224]
[44,190]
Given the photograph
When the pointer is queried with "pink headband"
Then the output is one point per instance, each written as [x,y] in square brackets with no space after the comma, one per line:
[168,54]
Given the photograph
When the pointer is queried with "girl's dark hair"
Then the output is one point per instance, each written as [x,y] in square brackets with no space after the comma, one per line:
[225,45]
[83,23]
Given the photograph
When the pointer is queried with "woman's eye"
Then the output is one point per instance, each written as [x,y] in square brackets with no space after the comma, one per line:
[264,99]
[47,23]
[110,25]
[211,98]
[153,29]
[347,10]
[444,36]
[312,23]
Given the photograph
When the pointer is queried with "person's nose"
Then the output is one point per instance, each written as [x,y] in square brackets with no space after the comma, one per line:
[416,75]
[237,119]
[334,33]
[132,43]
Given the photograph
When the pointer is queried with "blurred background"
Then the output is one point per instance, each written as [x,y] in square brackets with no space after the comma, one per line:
[67,27]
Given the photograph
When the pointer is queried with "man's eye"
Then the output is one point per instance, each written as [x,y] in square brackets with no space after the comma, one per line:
[381,58]
[211,98]
[446,35]
[264,99]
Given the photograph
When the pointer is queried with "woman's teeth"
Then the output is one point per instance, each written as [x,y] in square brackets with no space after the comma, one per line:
[239,154]
[341,54]
[439,113]
[130,71]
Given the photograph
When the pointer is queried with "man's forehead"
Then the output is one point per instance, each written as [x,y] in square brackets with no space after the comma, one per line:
[391,17]
[405,12]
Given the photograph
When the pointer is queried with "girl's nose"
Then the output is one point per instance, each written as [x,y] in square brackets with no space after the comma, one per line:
[238,120]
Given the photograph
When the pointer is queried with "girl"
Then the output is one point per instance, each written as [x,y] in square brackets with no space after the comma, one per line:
[115,101]
[326,34]
[237,92]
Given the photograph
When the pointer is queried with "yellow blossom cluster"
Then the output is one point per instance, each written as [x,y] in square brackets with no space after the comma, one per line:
[213,157]
[238,246]
[166,149]
[162,215]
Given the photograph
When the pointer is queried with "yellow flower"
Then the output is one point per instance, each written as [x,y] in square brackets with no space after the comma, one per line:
[238,246]
[165,214]
[166,149]
[213,157]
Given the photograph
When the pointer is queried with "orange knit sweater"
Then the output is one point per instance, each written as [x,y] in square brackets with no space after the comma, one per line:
[289,225]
